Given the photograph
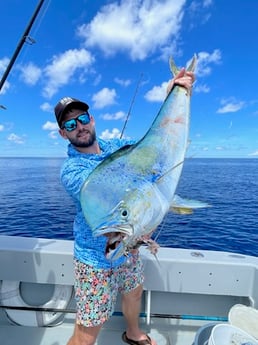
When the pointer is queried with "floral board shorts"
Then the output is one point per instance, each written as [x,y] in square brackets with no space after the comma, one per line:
[96,289]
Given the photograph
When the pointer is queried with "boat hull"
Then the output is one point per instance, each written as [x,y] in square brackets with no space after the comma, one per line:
[183,291]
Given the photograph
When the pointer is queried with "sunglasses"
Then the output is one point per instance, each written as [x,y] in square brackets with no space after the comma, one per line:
[71,125]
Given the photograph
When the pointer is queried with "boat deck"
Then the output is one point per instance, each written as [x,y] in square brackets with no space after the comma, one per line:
[164,331]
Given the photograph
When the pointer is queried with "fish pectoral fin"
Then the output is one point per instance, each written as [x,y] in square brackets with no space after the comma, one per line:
[186,206]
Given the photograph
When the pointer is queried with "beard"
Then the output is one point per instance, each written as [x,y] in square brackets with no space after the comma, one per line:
[81,141]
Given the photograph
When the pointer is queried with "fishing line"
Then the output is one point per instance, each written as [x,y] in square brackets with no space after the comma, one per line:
[30,39]
[41,17]
[131,105]
[161,227]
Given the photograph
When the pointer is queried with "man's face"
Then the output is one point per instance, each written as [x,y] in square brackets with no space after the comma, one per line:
[82,135]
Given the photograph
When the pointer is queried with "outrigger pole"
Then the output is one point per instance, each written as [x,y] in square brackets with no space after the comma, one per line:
[23,39]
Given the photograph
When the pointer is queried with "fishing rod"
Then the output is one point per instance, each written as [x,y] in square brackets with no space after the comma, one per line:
[131,105]
[25,38]
[119,313]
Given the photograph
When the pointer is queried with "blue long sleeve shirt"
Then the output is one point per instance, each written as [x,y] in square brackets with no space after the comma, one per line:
[74,172]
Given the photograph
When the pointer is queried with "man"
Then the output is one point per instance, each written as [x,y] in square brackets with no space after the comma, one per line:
[98,280]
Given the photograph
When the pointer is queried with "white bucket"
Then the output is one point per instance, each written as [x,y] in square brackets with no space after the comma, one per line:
[245,318]
[226,334]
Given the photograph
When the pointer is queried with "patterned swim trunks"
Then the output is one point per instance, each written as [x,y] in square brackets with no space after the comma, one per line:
[96,289]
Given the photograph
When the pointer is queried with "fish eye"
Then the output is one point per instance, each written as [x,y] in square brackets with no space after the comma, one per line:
[124,213]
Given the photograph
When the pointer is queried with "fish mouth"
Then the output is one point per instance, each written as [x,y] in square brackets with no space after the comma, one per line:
[116,236]
[114,241]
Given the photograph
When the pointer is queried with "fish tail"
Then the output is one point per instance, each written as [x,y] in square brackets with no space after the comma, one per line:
[192,65]
[175,70]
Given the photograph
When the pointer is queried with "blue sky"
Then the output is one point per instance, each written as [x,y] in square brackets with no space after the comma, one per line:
[100,51]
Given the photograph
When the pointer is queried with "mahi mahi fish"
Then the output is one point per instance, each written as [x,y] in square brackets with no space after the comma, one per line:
[129,193]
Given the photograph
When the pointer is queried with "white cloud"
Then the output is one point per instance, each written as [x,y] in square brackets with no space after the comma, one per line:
[1,128]
[15,138]
[230,106]
[219,148]
[97,79]
[204,60]
[207,3]
[30,74]
[157,93]
[63,68]
[47,107]
[199,12]
[115,133]
[122,82]
[104,97]
[137,27]
[3,64]
[201,88]
[253,153]
[120,115]
[53,135]
[53,128]
[50,126]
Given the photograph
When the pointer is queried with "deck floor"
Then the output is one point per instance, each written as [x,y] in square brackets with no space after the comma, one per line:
[164,331]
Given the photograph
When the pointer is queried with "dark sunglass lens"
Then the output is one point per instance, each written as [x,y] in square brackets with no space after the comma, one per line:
[84,119]
[70,125]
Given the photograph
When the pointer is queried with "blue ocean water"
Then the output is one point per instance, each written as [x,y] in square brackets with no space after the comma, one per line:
[33,203]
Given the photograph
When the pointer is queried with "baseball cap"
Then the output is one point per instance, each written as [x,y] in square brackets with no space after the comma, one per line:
[67,103]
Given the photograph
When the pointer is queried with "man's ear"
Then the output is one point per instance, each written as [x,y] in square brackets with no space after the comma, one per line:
[63,133]
[92,120]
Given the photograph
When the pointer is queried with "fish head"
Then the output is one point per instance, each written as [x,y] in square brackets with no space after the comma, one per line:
[124,219]
[119,225]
